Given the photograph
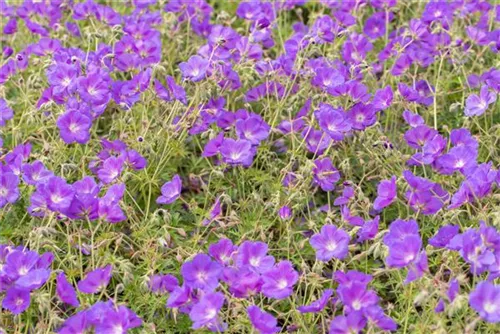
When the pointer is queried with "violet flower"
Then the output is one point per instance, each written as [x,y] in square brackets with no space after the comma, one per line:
[318,305]
[262,321]
[331,242]
[170,191]
[325,175]
[485,299]
[279,281]
[96,280]
[386,193]
[201,273]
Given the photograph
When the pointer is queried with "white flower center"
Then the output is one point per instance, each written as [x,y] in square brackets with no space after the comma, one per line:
[22,271]
[282,284]
[66,81]
[254,261]
[117,329]
[490,307]
[331,246]
[73,127]
[201,276]
[92,91]
[356,305]
[235,155]
[409,257]
[56,198]
[211,313]
[360,118]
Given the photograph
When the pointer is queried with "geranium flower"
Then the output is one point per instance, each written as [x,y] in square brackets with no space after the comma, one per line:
[331,242]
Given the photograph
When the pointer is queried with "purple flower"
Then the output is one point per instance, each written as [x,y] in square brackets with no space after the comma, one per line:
[111,169]
[58,194]
[201,273]
[108,318]
[459,158]
[316,140]
[386,193]
[170,191]
[355,296]
[254,256]
[74,126]
[331,242]
[417,268]
[194,69]
[327,78]
[16,300]
[418,136]
[285,212]
[347,194]
[368,230]
[354,322]
[345,212]
[279,281]
[162,283]
[383,98]
[440,306]
[254,129]
[9,191]
[362,116]
[424,196]
[325,175]
[453,289]
[96,280]
[215,212]
[237,152]
[376,315]
[333,122]
[204,313]
[412,119]
[485,299]
[35,173]
[179,297]
[222,251]
[212,147]
[6,112]
[444,235]
[317,305]
[135,160]
[242,282]
[476,105]
[33,280]
[404,252]
[262,321]
[65,291]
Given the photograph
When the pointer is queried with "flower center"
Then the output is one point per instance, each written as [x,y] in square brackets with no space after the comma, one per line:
[201,276]
[23,271]
[211,313]
[73,127]
[254,261]
[331,246]
[282,284]
[490,307]
[56,198]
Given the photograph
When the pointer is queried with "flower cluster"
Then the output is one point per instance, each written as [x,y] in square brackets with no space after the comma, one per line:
[247,271]
[21,272]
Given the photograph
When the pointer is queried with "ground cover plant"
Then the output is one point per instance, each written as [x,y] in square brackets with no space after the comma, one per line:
[249,167]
